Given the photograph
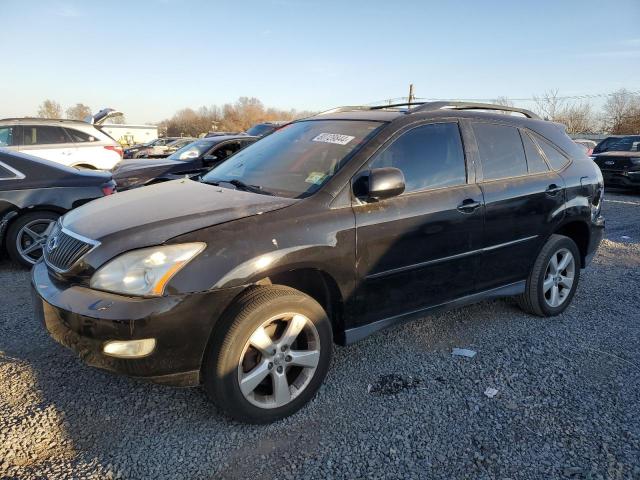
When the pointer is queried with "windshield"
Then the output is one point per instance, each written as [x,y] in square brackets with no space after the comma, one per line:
[192,150]
[296,160]
[622,144]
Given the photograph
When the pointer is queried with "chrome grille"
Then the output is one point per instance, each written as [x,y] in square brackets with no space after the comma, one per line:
[63,248]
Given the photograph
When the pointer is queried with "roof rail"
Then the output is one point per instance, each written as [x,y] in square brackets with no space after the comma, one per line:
[38,119]
[433,106]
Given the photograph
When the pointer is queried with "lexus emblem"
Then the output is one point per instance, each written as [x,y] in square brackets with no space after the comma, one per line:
[609,162]
[52,244]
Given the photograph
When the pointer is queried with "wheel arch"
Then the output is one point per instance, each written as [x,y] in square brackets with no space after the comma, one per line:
[8,218]
[578,231]
[320,286]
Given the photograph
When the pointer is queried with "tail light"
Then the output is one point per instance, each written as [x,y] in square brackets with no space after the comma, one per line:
[115,148]
[109,188]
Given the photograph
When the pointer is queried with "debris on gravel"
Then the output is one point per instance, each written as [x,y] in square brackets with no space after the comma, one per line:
[393,384]
[568,404]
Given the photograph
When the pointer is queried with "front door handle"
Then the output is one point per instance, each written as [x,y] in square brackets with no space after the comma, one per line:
[468,205]
[552,189]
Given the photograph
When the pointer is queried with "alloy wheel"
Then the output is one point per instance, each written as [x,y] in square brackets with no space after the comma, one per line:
[32,238]
[559,277]
[279,360]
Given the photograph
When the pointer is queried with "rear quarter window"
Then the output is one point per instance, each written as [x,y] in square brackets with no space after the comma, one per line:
[556,159]
[9,173]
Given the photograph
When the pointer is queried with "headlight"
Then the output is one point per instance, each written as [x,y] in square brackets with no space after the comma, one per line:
[635,160]
[146,271]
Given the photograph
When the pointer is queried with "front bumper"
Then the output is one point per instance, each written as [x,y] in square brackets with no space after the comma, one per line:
[83,320]
[621,178]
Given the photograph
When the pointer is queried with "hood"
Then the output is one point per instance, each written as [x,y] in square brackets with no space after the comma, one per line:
[154,214]
[616,154]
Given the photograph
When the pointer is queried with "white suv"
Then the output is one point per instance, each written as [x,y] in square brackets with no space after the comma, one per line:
[70,142]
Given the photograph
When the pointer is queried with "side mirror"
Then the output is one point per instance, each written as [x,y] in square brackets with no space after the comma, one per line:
[380,183]
[210,158]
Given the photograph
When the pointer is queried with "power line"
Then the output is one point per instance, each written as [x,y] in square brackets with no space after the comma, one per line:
[531,99]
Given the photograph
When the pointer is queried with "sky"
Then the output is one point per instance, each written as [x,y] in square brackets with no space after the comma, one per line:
[150,58]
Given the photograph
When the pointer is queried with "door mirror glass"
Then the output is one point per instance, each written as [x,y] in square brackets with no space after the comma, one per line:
[380,183]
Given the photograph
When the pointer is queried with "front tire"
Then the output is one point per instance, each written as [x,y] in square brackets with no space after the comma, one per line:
[27,236]
[268,355]
[553,279]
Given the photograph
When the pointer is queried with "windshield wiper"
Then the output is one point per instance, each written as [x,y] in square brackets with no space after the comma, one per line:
[240,185]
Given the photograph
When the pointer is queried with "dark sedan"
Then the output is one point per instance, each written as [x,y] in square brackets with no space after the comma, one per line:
[192,159]
[619,160]
[33,193]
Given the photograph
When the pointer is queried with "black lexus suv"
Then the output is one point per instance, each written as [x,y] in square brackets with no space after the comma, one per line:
[327,230]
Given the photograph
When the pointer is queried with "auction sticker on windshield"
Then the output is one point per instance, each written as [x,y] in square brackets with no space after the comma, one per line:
[333,138]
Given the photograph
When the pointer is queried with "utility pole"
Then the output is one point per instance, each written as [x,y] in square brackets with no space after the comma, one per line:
[412,97]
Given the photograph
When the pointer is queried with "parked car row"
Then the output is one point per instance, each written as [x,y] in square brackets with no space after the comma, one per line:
[68,142]
[34,192]
[158,148]
[192,159]
[619,160]
[241,278]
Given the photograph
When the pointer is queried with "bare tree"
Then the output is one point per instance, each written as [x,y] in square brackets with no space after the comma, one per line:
[78,112]
[504,101]
[50,109]
[577,117]
[548,104]
[622,112]
[116,120]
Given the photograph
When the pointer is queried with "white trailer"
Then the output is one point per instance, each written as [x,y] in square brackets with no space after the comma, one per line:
[130,134]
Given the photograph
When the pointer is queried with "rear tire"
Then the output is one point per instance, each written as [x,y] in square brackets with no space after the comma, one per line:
[27,235]
[553,279]
[258,378]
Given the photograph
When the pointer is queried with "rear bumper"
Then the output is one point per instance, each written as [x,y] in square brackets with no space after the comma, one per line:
[83,320]
[595,237]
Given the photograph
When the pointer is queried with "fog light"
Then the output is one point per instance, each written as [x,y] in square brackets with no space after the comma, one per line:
[129,348]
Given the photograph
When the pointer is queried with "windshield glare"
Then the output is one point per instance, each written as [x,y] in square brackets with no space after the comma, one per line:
[296,160]
[192,150]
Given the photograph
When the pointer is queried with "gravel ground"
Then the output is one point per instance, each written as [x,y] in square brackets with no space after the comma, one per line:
[396,405]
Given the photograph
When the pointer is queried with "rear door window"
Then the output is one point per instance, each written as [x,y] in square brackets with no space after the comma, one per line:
[556,159]
[429,156]
[79,136]
[535,161]
[501,151]
[44,135]
[225,150]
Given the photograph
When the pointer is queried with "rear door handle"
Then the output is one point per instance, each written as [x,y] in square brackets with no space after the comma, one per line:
[553,189]
[468,205]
